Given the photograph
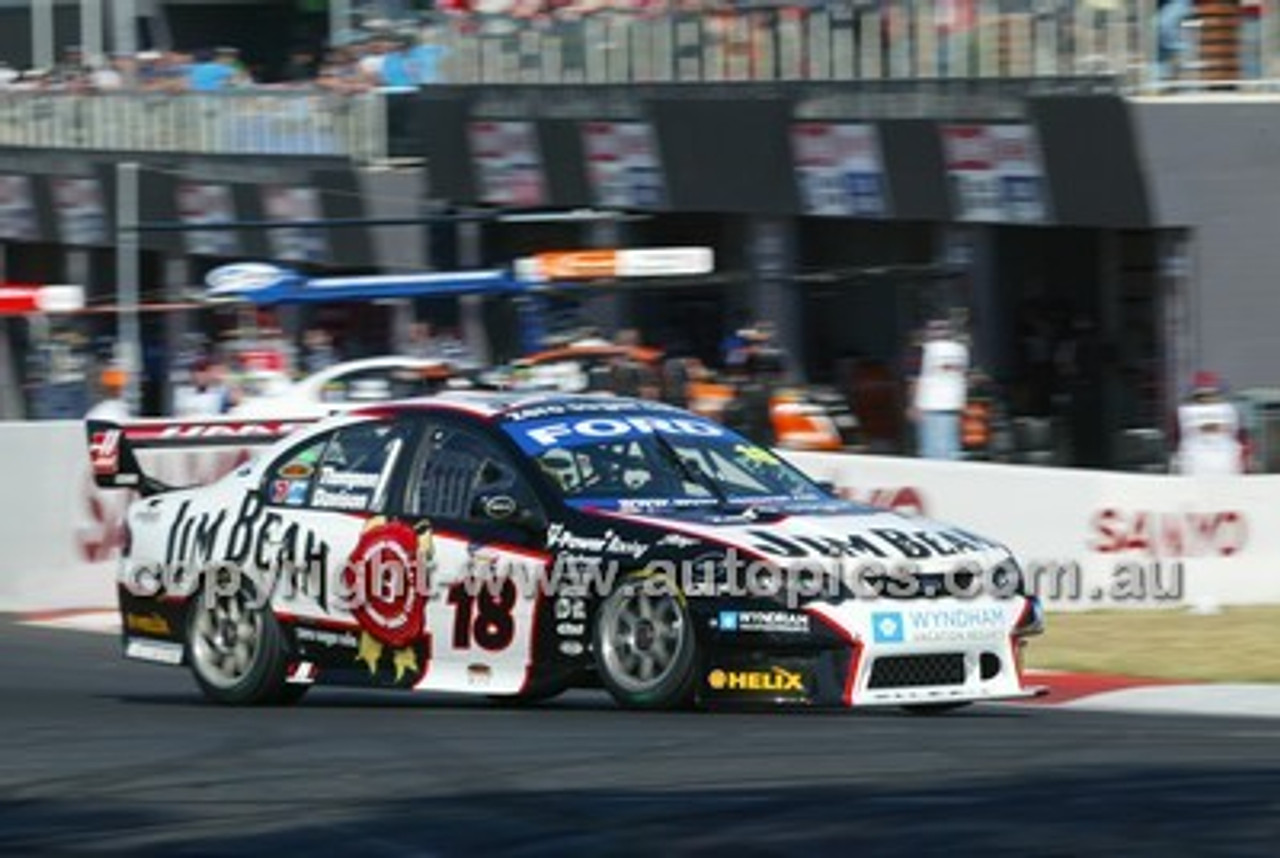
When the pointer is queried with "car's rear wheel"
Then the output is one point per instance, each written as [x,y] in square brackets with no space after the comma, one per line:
[645,644]
[237,650]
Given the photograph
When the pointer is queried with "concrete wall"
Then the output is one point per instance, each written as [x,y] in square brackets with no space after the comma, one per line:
[396,194]
[15,31]
[1213,165]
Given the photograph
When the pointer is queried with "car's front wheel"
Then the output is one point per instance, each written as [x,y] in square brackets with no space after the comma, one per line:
[237,651]
[645,644]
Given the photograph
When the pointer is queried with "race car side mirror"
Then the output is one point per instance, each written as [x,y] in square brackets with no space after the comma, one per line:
[501,508]
[496,507]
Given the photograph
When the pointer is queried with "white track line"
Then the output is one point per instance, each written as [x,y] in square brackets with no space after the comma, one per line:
[1246,701]
[103,622]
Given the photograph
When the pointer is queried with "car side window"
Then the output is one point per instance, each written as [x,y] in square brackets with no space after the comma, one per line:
[357,467]
[349,469]
[459,469]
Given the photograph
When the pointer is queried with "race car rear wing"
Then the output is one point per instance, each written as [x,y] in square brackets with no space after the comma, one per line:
[113,446]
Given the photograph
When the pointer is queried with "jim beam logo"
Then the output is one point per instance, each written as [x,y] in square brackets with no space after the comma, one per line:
[776,680]
[387,573]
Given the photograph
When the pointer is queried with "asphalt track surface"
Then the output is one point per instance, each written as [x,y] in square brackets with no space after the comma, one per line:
[99,756]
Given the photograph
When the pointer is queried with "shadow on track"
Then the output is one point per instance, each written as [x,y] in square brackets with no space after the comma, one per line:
[579,701]
[1123,811]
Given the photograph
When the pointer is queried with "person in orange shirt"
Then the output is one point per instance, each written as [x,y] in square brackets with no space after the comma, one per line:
[112,406]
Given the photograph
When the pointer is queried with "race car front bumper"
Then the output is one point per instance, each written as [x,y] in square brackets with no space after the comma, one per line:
[882,653]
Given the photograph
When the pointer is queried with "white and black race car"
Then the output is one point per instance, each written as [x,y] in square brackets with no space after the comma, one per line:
[515,547]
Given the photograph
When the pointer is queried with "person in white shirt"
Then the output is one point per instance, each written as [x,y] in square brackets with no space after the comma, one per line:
[113,75]
[112,406]
[939,393]
[372,57]
[1211,440]
[206,396]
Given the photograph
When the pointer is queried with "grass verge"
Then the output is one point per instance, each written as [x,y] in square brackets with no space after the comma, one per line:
[1236,645]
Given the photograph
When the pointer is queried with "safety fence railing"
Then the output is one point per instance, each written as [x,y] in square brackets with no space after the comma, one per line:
[1137,47]
[837,40]
[1146,45]
[256,122]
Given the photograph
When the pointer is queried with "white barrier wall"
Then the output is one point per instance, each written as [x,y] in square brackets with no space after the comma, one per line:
[55,528]
[1130,536]
[1220,535]
[60,535]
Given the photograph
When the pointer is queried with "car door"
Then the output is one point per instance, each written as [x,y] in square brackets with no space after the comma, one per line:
[489,563]
[319,500]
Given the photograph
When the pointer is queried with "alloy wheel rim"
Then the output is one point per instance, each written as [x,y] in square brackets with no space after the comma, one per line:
[643,638]
[226,639]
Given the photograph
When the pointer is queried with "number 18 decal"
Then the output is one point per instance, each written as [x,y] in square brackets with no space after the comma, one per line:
[483,614]
[483,624]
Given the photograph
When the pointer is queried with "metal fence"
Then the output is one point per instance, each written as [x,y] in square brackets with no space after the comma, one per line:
[851,40]
[261,122]
[892,47]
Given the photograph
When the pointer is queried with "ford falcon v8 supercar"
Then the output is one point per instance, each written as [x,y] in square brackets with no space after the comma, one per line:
[516,547]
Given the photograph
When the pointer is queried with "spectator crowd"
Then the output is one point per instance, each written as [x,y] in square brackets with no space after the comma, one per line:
[379,55]
[370,61]
[385,54]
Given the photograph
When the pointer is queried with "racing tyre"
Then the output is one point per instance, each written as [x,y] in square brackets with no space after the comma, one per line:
[237,651]
[645,644]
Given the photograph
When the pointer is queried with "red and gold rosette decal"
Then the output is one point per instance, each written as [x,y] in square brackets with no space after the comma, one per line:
[388,574]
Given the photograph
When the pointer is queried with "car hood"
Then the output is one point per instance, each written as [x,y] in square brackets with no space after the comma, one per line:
[827,532]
